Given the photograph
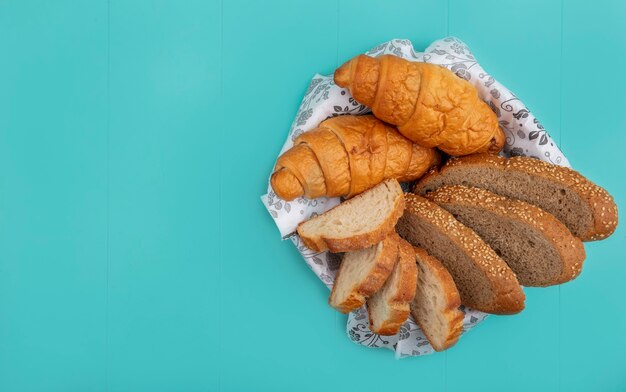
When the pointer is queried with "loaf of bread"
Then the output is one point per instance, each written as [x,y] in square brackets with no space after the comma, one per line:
[356,223]
[435,307]
[346,155]
[484,280]
[538,248]
[587,210]
[362,273]
[389,308]
[429,104]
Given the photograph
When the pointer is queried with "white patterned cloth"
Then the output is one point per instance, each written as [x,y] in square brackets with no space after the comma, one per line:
[323,99]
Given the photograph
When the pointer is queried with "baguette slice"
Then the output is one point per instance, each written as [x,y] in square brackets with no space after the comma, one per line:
[357,223]
[587,210]
[362,273]
[389,308]
[435,307]
[483,279]
[538,248]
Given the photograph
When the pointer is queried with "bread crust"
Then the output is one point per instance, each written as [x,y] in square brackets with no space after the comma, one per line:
[570,249]
[346,155]
[399,155]
[422,159]
[507,294]
[429,103]
[360,137]
[377,276]
[283,181]
[302,162]
[451,312]
[399,303]
[332,158]
[359,241]
[603,207]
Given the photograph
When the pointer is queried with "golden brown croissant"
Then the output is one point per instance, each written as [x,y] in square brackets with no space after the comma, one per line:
[428,103]
[346,155]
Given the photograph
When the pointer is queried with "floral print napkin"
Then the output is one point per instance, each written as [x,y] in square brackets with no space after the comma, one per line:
[323,99]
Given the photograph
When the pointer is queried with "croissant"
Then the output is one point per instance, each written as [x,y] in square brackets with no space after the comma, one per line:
[429,104]
[347,155]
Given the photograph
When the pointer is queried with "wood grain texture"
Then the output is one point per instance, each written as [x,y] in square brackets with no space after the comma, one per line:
[591,116]
[528,63]
[136,137]
[53,221]
[163,166]
[270,56]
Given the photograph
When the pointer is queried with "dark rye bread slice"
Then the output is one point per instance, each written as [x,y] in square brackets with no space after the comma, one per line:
[389,307]
[484,280]
[538,248]
[435,307]
[587,210]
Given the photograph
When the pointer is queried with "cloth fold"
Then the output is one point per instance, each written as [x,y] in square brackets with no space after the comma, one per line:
[323,99]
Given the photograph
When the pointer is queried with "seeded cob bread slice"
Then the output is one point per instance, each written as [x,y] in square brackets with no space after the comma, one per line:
[362,273]
[358,223]
[484,280]
[538,248]
[389,308]
[587,210]
[435,307]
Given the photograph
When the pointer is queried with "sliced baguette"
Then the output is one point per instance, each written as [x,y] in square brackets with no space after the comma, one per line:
[435,307]
[587,210]
[357,223]
[389,308]
[538,248]
[484,280]
[362,273]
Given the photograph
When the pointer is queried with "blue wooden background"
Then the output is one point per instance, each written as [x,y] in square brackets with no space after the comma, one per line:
[136,138]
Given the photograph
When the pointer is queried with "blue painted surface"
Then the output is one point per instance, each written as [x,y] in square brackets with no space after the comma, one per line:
[136,137]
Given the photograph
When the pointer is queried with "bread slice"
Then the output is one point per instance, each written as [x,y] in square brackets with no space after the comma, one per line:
[357,223]
[538,248]
[435,307]
[587,210]
[388,309]
[362,273]
[484,280]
